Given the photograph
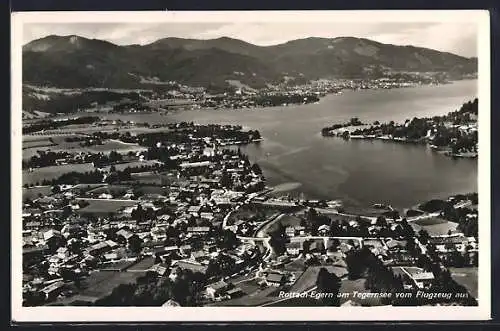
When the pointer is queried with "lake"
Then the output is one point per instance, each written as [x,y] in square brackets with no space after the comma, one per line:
[358,172]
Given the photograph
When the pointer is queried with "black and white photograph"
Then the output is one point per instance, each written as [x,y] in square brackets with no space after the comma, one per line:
[186,166]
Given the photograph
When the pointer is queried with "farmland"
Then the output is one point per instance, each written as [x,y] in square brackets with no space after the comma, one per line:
[53,172]
[40,142]
[35,192]
[30,152]
[106,147]
[57,142]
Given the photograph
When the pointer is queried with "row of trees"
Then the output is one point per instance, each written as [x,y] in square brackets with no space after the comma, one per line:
[48,124]
[352,122]
[44,159]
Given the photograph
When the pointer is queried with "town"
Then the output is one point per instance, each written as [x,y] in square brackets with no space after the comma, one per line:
[131,214]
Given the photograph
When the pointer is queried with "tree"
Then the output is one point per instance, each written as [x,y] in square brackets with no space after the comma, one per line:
[225,180]
[138,213]
[334,244]
[355,121]
[256,169]
[329,284]
[305,246]
[66,211]
[227,240]
[75,246]
[122,295]
[135,244]
[356,262]
[381,221]
[423,236]
[68,274]
[33,298]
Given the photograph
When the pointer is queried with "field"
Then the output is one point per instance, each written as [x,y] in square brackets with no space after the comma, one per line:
[364,211]
[101,283]
[117,266]
[102,206]
[434,225]
[347,218]
[466,277]
[39,142]
[149,177]
[116,146]
[82,188]
[246,212]
[32,138]
[106,147]
[289,220]
[32,143]
[35,192]
[114,190]
[30,152]
[285,220]
[430,221]
[52,172]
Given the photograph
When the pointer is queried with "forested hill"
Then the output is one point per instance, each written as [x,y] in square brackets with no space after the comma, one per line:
[74,61]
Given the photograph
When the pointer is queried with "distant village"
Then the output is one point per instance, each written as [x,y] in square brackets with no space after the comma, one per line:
[173,96]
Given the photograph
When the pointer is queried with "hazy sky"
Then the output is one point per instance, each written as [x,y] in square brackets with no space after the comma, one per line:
[458,38]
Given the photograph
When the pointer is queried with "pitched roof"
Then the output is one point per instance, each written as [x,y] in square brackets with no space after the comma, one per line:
[195,267]
[124,233]
[275,277]
[198,229]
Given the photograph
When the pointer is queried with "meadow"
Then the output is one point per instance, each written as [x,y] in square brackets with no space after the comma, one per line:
[53,172]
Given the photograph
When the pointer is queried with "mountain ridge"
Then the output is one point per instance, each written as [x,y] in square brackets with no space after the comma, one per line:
[75,61]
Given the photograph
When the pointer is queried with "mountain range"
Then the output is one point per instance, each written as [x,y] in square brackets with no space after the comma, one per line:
[74,61]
